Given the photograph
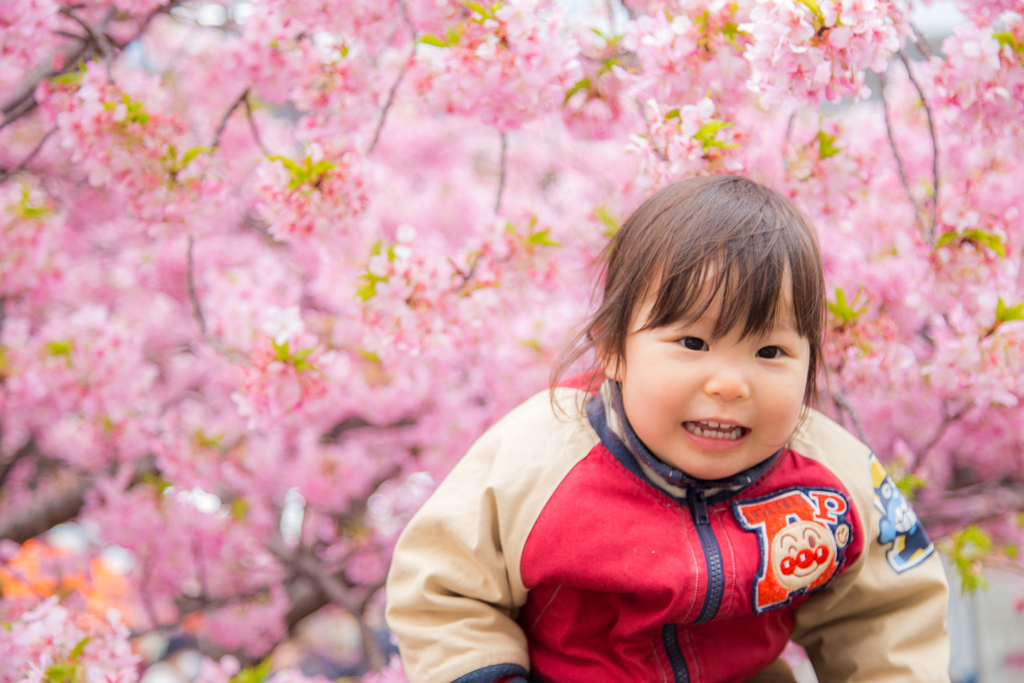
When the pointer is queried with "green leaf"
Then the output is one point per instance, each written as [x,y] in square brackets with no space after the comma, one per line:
[288,163]
[1007,38]
[967,548]
[253,674]
[815,9]
[975,237]
[478,8]
[77,652]
[1011,551]
[432,40]
[826,145]
[71,78]
[453,35]
[609,220]
[156,481]
[61,348]
[706,135]
[1006,313]
[239,508]
[672,114]
[908,484]
[59,673]
[193,153]
[542,239]
[844,310]
[730,31]
[582,84]
[283,353]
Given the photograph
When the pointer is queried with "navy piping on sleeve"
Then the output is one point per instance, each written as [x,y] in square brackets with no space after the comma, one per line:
[489,674]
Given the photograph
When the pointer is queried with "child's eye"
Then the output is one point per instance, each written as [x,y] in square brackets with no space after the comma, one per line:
[694,343]
[769,352]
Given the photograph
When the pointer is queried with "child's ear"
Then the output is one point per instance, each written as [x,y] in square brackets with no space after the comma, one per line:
[611,363]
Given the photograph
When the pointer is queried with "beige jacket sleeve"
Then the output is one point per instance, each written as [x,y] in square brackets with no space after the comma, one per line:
[872,625]
[454,587]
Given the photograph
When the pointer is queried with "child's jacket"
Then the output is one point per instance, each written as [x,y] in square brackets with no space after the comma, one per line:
[558,545]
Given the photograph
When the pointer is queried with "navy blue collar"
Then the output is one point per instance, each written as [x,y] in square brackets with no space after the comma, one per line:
[630,451]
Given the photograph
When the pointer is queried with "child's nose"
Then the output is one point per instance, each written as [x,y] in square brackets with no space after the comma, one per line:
[727,383]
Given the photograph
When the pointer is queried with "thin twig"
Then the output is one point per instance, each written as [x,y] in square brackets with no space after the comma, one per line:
[197,313]
[408,20]
[923,46]
[501,171]
[611,16]
[224,121]
[389,102]
[843,404]
[242,99]
[398,81]
[99,38]
[930,231]
[23,101]
[21,167]
[252,126]
[896,153]
[947,420]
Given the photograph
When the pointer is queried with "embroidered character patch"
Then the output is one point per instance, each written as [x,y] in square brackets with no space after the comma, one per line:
[898,526]
[803,534]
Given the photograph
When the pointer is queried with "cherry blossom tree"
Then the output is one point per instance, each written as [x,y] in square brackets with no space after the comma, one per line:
[266,270]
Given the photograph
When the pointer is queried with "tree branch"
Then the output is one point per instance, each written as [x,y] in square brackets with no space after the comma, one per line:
[398,81]
[501,171]
[954,510]
[62,506]
[930,231]
[843,404]
[24,162]
[923,46]
[27,449]
[356,422]
[242,99]
[389,102]
[23,101]
[197,313]
[947,420]
[337,592]
[899,161]
[98,38]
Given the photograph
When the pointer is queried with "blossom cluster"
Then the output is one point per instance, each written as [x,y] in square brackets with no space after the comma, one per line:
[50,642]
[821,50]
[504,64]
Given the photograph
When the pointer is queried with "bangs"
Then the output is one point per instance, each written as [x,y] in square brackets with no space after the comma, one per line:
[743,247]
[751,275]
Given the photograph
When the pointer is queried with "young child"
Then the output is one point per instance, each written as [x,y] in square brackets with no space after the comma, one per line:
[679,514]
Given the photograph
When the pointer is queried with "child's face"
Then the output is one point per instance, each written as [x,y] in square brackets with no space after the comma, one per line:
[713,409]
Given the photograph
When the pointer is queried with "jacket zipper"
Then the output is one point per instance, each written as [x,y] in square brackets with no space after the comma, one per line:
[716,583]
[712,554]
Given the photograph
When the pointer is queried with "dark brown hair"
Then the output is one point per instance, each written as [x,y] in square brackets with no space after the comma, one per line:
[696,239]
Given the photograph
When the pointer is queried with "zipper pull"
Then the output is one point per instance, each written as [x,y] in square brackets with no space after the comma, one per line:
[698,505]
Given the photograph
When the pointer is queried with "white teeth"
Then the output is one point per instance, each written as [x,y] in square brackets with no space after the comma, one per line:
[714,430]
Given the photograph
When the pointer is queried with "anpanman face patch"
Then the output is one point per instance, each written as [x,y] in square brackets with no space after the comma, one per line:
[803,534]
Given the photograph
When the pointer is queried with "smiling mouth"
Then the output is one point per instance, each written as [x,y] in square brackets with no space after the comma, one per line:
[715,430]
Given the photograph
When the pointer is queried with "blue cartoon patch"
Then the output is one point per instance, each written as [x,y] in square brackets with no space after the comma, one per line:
[899,526]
